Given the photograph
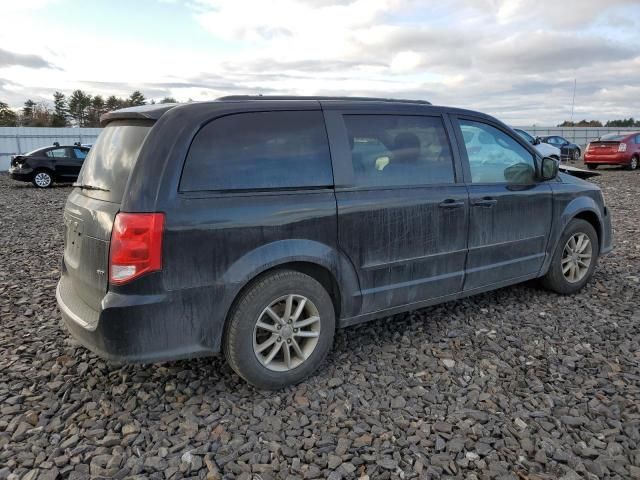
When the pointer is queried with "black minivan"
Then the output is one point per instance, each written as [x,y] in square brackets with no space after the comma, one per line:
[256,226]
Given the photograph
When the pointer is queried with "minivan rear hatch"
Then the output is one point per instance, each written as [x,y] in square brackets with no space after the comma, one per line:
[92,206]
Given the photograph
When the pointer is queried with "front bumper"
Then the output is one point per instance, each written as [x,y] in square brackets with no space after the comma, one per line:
[607,233]
[134,328]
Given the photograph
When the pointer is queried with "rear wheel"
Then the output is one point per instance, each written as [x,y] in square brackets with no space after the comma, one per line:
[574,260]
[280,330]
[633,164]
[42,179]
[592,166]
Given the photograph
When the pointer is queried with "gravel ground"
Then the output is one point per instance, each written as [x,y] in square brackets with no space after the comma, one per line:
[517,383]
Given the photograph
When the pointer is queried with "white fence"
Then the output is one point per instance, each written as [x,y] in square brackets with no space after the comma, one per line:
[16,140]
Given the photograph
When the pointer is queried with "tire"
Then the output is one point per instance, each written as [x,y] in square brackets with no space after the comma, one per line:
[575,155]
[42,178]
[243,336]
[555,280]
[633,164]
[592,166]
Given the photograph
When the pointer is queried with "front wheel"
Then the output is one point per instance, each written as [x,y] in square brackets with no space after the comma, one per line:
[633,164]
[42,179]
[574,260]
[592,166]
[280,330]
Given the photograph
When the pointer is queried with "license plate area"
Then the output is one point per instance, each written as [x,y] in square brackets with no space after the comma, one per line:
[73,240]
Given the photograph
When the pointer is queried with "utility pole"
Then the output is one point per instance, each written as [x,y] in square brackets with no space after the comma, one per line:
[573,102]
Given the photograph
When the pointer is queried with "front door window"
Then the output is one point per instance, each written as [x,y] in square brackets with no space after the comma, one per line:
[494,156]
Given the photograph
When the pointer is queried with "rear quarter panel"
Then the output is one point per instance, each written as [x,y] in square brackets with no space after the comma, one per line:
[216,244]
[41,161]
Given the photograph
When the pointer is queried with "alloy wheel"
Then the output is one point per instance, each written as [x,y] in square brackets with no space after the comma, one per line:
[42,179]
[286,333]
[576,257]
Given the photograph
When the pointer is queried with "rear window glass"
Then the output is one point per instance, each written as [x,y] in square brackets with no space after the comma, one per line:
[259,151]
[111,159]
[612,137]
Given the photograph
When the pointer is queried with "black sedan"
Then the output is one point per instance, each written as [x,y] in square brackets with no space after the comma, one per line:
[46,165]
[568,150]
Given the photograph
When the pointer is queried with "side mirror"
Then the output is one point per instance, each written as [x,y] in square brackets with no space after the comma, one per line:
[537,141]
[549,168]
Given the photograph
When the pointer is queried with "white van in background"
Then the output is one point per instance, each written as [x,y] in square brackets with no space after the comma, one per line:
[545,149]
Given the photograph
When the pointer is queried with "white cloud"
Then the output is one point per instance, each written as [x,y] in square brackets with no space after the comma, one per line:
[405,61]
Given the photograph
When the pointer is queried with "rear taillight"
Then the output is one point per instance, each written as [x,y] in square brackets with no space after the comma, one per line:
[622,147]
[136,246]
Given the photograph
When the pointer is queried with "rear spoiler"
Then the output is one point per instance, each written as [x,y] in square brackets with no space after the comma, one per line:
[144,112]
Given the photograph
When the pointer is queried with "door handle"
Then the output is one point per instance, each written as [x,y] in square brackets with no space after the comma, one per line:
[451,203]
[486,202]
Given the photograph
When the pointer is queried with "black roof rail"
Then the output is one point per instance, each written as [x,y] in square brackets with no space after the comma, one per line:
[312,97]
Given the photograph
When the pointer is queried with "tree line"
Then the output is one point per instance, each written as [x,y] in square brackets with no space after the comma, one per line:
[80,109]
[625,122]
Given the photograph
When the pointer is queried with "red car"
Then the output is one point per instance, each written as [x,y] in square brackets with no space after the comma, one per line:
[614,149]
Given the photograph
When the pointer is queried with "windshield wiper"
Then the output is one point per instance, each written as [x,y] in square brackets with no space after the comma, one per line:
[90,187]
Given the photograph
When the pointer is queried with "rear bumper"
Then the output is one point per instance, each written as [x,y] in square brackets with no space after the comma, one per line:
[22,175]
[135,328]
[622,158]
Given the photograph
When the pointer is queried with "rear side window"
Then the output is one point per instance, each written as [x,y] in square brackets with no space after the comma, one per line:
[110,161]
[395,150]
[259,151]
[58,153]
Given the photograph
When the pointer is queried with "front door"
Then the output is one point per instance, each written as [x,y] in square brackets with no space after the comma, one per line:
[510,210]
[402,219]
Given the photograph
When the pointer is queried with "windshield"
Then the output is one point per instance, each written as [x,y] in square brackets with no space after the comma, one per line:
[111,159]
[615,137]
[525,135]
[28,154]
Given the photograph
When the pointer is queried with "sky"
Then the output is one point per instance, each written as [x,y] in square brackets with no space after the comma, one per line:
[514,59]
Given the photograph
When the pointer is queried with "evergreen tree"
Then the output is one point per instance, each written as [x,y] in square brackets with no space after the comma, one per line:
[79,103]
[136,98]
[60,113]
[95,111]
[113,103]
[27,112]
[625,122]
[8,117]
